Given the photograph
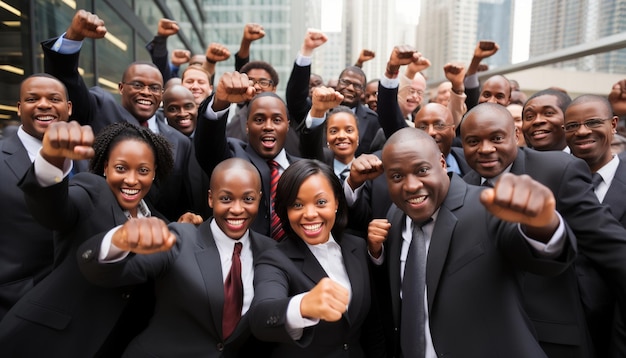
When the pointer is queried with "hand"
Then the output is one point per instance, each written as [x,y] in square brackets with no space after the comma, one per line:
[365,56]
[521,199]
[144,236]
[485,49]
[312,40]
[327,301]
[217,52]
[402,55]
[617,97]
[323,99]
[253,32]
[167,27]
[364,167]
[416,66]
[190,218]
[455,73]
[233,87]
[180,57]
[85,25]
[377,231]
[67,140]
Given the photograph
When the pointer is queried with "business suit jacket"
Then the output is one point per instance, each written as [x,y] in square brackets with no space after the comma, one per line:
[65,314]
[26,247]
[212,147]
[98,108]
[472,273]
[554,304]
[291,269]
[187,321]
[298,104]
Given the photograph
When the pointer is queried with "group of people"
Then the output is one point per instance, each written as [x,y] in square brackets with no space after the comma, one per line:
[194,218]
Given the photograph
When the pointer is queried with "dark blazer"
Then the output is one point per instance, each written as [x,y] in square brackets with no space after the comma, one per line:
[291,269]
[98,108]
[212,147]
[65,314]
[26,247]
[615,195]
[187,320]
[554,304]
[299,105]
[473,269]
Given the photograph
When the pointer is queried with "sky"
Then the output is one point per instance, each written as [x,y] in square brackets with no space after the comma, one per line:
[521,30]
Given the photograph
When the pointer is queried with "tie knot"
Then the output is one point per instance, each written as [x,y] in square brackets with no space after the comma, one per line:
[272,163]
[237,250]
[596,179]
[487,183]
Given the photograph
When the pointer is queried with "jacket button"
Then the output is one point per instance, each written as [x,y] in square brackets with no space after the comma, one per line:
[346,346]
[87,254]
[220,346]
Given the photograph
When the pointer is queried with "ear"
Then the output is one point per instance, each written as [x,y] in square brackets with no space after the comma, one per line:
[120,85]
[19,105]
[210,199]
[69,108]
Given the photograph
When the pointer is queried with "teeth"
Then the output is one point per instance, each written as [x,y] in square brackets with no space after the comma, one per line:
[539,132]
[417,200]
[130,191]
[312,227]
[142,101]
[269,139]
[235,222]
[44,118]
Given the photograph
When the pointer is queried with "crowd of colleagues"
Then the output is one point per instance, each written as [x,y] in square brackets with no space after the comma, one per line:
[206,217]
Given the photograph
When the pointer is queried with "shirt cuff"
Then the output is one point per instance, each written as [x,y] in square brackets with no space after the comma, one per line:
[109,253]
[351,195]
[295,322]
[48,174]
[377,261]
[389,83]
[313,122]
[65,46]
[471,81]
[303,61]
[211,114]
[554,247]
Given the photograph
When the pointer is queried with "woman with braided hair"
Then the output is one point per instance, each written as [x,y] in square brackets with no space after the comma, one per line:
[65,314]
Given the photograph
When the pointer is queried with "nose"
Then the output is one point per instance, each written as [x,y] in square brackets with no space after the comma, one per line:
[492,99]
[43,103]
[582,130]
[310,212]
[486,147]
[237,208]
[431,130]
[131,178]
[412,184]
[268,125]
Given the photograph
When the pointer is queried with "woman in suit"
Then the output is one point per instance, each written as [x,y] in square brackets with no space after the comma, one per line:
[65,314]
[312,292]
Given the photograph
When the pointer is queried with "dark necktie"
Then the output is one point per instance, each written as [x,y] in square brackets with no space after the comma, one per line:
[487,183]
[413,319]
[144,124]
[596,179]
[276,228]
[344,174]
[233,294]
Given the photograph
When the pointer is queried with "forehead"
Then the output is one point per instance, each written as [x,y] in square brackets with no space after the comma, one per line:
[418,82]
[547,100]
[341,118]
[591,109]
[258,73]
[41,84]
[268,103]
[433,112]
[132,146]
[235,177]
[416,150]
[496,83]
[193,73]
[372,87]
[486,122]
[145,72]
[353,75]
[177,95]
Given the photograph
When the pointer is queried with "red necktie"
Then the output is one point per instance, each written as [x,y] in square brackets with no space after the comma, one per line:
[144,124]
[233,294]
[277,233]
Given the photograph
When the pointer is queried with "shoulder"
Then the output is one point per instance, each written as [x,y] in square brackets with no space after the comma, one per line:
[364,112]
[261,242]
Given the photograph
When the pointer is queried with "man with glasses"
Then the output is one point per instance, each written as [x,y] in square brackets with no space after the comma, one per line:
[351,85]
[141,90]
[564,307]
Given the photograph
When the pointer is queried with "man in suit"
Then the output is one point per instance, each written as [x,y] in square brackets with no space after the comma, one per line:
[351,86]
[190,295]
[589,129]
[474,254]
[26,249]
[556,305]
[542,120]
[267,126]
[141,90]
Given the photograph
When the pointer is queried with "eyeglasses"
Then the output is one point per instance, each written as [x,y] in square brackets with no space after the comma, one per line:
[347,83]
[438,127]
[139,86]
[263,82]
[590,123]
[413,91]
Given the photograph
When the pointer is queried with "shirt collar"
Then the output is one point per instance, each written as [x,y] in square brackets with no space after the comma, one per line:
[281,159]
[608,170]
[338,166]
[29,142]
[142,211]
[495,179]
[225,243]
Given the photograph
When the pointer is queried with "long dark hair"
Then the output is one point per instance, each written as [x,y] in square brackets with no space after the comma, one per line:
[289,185]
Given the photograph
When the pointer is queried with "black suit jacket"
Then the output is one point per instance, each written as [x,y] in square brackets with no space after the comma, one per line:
[473,270]
[65,314]
[615,195]
[98,108]
[554,304]
[212,147]
[291,269]
[187,321]
[26,248]
[299,105]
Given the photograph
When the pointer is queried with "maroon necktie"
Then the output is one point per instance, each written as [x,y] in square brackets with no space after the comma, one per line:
[233,294]
[277,232]
[144,124]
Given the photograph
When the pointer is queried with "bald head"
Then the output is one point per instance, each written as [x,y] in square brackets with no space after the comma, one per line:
[176,91]
[180,109]
[436,120]
[234,167]
[496,89]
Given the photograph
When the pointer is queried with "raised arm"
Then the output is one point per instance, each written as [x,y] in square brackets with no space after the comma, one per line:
[251,32]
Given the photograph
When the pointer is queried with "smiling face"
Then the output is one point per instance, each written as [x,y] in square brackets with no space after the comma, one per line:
[180,109]
[342,135]
[371,95]
[42,102]
[197,81]
[432,115]
[351,85]
[542,123]
[312,215]
[410,96]
[267,126]
[496,89]
[129,171]
[416,175]
[234,197]
[142,103]
[489,140]
[593,145]
[258,74]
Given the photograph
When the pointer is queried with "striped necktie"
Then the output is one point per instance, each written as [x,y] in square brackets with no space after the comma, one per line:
[276,228]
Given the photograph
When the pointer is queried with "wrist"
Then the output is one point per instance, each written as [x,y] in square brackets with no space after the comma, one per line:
[358,64]
[210,61]
[458,90]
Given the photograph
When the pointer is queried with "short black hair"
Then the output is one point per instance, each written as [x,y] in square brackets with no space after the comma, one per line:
[562,99]
[47,75]
[262,65]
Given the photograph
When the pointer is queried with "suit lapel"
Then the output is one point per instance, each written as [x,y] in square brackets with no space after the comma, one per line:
[208,259]
[614,197]
[356,276]
[519,164]
[17,157]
